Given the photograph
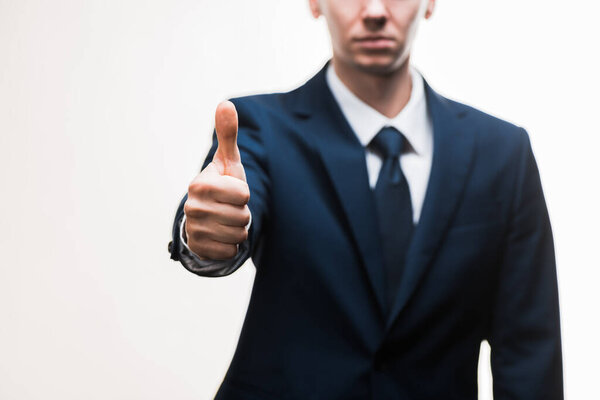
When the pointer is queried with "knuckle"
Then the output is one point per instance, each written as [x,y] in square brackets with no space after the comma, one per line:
[210,250]
[196,209]
[198,248]
[202,211]
[246,216]
[239,192]
[208,189]
[213,250]
[210,254]
[187,207]
[243,235]
[245,194]
[230,251]
[202,188]
[195,186]
[245,220]
[204,232]
[196,234]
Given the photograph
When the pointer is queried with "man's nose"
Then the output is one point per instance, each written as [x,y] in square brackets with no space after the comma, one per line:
[374,14]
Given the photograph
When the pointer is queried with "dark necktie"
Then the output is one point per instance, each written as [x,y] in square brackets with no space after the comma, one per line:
[394,208]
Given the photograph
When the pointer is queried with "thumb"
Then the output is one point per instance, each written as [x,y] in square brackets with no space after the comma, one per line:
[227,156]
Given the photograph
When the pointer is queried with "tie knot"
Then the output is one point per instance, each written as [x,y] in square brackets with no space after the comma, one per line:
[388,142]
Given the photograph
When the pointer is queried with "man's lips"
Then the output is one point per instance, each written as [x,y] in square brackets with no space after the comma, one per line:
[375,42]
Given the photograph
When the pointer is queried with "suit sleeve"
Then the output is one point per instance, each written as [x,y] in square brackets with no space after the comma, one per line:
[525,337]
[253,154]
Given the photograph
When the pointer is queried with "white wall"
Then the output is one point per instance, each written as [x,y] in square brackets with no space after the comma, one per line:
[106,112]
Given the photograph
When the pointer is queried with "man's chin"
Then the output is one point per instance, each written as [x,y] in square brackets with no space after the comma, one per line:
[378,65]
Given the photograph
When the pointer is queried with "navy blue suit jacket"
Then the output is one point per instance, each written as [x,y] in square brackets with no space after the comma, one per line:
[481,264]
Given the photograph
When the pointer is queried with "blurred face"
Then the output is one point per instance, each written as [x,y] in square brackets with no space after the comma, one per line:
[372,35]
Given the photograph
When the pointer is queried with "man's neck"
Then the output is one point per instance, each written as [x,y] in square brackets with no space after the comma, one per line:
[387,93]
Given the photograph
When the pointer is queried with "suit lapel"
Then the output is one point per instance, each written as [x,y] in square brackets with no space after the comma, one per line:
[454,146]
[344,160]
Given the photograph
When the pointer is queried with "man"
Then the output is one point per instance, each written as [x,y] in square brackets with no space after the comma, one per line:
[392,231]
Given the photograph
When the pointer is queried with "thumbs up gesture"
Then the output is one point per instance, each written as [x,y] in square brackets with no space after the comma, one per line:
[216,208]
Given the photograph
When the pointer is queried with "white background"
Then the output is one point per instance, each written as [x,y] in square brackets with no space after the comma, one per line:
[106,113]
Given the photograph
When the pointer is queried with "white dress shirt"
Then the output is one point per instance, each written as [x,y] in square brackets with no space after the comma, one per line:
[413,121]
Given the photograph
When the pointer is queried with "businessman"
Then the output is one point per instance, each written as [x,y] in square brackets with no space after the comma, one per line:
[392,230]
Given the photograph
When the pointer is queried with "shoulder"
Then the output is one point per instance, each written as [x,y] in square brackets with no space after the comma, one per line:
[263,107]
[492,124]
[497,142]
[492,131]
[500,150]
[284,107]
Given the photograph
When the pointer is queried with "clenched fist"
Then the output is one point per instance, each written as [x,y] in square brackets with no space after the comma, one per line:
[216,208]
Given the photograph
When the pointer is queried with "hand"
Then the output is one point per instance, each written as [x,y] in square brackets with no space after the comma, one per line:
[216,208]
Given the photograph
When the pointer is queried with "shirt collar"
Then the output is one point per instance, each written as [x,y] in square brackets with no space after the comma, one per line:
[366,122]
